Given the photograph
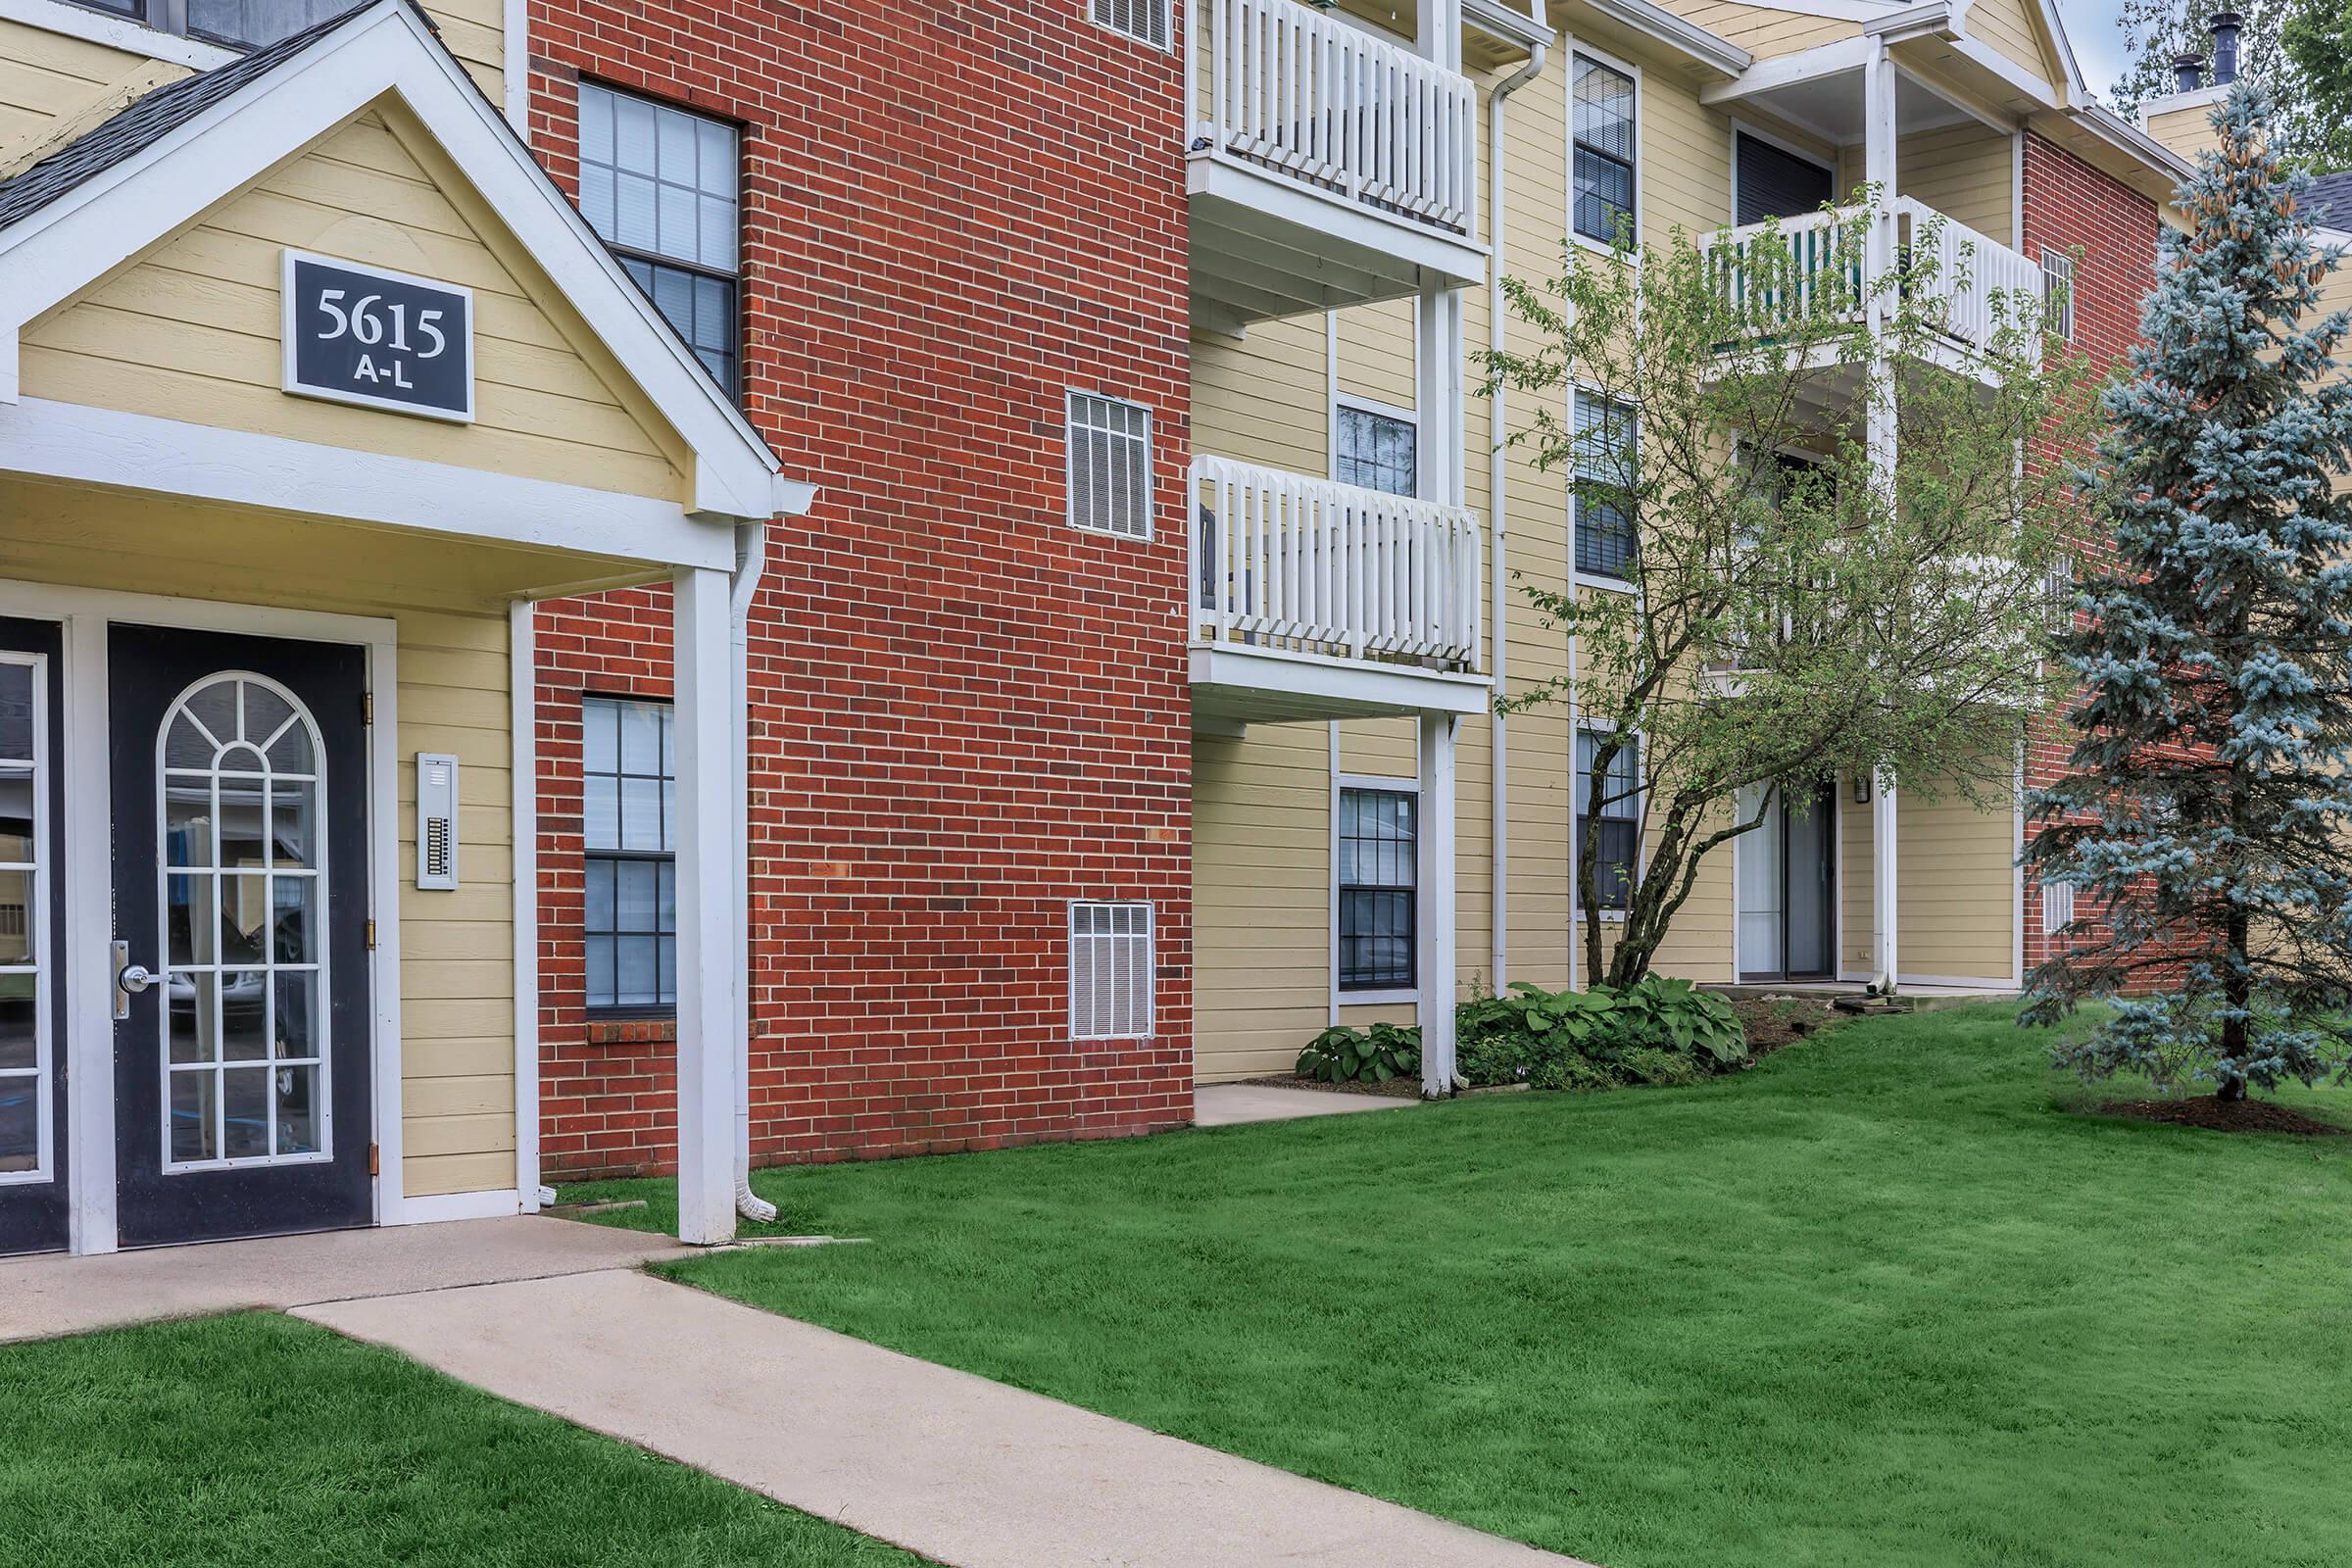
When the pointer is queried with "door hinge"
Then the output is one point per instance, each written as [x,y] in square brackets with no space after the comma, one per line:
[373,1166]
[366,707]
[372,936]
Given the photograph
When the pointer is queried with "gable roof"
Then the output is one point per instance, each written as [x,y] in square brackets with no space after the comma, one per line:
[148,120]
[166,157]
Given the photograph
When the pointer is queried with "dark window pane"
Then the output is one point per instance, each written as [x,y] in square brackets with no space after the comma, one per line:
[1376,452]
[1607,438]
[1604,163]
[629,898]
[1376,887]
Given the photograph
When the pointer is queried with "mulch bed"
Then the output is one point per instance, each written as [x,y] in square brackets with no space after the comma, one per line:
[1399,1088]
[1772,1022]
[2227,1116]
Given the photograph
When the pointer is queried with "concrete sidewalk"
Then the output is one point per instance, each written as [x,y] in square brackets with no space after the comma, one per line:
[53,1293]
[1234,1104]
[968,1471]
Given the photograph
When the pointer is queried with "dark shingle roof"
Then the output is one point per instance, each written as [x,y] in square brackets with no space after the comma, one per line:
[148,120]
[2328,202]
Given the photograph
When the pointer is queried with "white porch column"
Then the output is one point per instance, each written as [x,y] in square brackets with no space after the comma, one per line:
[1883,864]
[1434,957]
[708,916]
[1438,395]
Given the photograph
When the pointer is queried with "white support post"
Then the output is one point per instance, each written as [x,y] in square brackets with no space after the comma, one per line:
[708,916]
[1438,33]
[1435,957]
[1884,864]
[1438,396]
[1878,166]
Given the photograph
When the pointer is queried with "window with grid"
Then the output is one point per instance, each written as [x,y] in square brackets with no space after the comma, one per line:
[234,24]
[1110,971]
[1145,21]
[1110,466]
[1376,450]
[1378,857]
[1602,169]
[1620,845]
[628,838]
[2058,293]
[658,186]
[1607,440]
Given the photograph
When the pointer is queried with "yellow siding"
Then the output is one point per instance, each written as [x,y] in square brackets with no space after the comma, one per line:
[1762,30]
[2187,132]
[191,330]
[44,74]
[1857,913]
[1956,888]
[444,597]
[1262,857]
[1966,172]
[1262,398]
[2009,28]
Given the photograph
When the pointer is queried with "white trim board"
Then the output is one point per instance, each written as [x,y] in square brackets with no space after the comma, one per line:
[386,51]
[53,440]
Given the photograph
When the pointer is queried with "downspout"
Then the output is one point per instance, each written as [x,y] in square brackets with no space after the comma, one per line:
[751,566]
[1497,631]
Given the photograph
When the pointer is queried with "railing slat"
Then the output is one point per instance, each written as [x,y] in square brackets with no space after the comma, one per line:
[1333,568]
[1314,99]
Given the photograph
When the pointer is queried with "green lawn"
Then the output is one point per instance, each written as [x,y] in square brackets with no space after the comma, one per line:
[260,1439]
[1883,1300]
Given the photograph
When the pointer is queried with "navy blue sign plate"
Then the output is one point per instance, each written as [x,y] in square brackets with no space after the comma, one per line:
[385,340]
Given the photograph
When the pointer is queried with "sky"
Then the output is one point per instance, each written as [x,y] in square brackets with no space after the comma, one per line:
[2093,28]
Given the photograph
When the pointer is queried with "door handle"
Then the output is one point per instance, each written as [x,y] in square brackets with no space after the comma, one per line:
[129,979]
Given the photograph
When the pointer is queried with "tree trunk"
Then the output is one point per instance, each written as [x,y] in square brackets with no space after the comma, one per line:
[2238,991]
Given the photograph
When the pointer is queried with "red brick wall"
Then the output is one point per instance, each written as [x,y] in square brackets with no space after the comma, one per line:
[2111,229]
[965,712]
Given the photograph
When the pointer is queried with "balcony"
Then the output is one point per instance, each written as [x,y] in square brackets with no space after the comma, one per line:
[1823,269]
[1326,167]
[1318,601]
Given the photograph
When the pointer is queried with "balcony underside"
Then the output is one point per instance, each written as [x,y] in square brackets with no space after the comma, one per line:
[1266,245]
[1235,685]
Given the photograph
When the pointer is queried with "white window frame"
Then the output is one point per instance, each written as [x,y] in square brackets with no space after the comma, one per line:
[1358,997]
[1166,44]
[1348,401]
[1069,466]
[1576,837]
[1148,937]
[39,937]
[1576,578]
[1576,46]
[2059,267]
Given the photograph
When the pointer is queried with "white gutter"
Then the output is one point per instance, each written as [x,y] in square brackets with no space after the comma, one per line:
[751,566]
[1499,768]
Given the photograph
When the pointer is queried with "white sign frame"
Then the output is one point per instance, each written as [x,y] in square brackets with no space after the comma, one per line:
[288,341]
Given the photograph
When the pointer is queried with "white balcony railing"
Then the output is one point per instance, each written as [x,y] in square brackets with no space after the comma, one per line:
[1823,269]
[1312,99]
[1281,560]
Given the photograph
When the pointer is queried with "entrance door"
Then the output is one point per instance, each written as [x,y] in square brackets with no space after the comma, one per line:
[1787,874]
[32,994]
[240,837]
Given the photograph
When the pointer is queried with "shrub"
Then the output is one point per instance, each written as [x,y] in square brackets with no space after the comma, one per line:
[1657,1031]
[1341,1054]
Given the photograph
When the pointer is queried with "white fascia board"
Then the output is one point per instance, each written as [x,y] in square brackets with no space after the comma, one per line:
[1362,685]
[2078,91]
[1687,39]
[2114,129]
[1498,21]
[1932,19]
[1787,71]
[1989,59]
[384,52]
[69,441]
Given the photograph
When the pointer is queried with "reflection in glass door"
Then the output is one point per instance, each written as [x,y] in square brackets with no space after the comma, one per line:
[244,880]
[1787,868]
[32,1131]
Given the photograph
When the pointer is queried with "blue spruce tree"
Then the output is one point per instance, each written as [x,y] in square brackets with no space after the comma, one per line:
[2207,814]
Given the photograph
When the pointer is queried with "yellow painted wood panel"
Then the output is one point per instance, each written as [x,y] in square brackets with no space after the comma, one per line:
[434,1176]
[1955,888]
[2009,27]
[1966,172]
[1764,31]
[1261,987]
[191,330]
[1263,398]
